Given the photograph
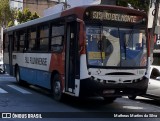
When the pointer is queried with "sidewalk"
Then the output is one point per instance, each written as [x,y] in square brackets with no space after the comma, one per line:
[7,77]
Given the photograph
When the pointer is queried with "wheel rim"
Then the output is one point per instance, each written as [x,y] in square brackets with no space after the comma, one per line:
[57,89]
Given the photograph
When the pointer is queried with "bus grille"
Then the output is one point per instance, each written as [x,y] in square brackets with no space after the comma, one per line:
[115,82]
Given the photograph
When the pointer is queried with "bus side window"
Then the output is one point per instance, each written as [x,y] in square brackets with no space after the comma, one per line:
[32,39]
[57,38]
[57,44]
[15,41]
[44,38]
[22,42]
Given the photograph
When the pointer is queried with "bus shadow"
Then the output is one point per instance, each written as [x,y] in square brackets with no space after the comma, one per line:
[34,88]
[88,103]
[150,101]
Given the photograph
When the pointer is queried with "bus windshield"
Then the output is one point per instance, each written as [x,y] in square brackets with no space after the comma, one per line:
[114,46]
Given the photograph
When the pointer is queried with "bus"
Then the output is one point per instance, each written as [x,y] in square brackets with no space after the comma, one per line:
[90,50]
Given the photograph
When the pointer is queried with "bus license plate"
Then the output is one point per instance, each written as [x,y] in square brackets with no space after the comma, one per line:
[108,91]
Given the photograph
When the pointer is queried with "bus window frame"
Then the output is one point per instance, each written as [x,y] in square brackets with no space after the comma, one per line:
[39,28]
[21,49]
[61,22]
[15,42]
[30,50]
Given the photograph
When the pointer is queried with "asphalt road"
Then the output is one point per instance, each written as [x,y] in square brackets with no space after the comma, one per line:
[23,100]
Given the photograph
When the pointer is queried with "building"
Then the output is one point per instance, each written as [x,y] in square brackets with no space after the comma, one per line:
[38,5]
[33,5]
[73,3]
[16,4]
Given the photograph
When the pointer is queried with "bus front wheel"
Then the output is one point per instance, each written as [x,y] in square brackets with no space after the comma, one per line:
[57,88]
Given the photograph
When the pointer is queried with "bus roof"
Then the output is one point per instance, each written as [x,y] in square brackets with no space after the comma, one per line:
[76,10]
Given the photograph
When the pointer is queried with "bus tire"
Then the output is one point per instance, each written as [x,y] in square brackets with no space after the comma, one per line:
[17,75]
[57,88]
[133,97]
[155,73]
[108,100]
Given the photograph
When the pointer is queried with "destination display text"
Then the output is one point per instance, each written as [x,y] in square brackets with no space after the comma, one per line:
[113,16]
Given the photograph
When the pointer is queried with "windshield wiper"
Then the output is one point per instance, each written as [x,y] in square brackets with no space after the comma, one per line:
[100,44]
[126,43]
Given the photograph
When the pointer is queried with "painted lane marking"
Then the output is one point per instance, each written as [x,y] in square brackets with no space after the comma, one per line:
[3,91]
[133,107]
[7,78]
[19,89]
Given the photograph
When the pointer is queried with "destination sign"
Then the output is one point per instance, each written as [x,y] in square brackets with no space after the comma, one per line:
[105,15]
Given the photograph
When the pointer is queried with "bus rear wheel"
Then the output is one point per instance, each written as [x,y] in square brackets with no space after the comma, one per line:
[17,75]
[57,88]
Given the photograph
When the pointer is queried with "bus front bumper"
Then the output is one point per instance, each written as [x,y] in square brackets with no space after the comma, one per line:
[89,87]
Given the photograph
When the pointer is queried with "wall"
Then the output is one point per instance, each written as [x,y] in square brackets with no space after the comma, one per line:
[38,5]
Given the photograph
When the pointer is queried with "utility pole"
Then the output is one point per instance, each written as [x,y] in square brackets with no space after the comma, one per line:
[154,25]
[155,16]
[65,4]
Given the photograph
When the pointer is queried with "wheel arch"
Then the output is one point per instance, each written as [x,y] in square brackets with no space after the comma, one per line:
[56,78]
[154,73]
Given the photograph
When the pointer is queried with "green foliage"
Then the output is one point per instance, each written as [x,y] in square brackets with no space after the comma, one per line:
[10,23]
[21,16]
[142,5]
[25,15]
[5,13]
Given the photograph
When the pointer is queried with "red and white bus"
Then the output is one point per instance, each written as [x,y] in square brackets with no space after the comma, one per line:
[96,50]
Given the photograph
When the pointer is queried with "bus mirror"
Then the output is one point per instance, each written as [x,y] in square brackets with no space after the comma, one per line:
[157,30]
[99,45]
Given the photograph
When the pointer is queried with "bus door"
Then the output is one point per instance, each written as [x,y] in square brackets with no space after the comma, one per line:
[72,56]
[10,37]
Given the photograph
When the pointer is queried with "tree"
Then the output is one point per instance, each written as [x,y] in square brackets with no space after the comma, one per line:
[12,17]
[142,5]
[21,16]
[5,13]
[26,15]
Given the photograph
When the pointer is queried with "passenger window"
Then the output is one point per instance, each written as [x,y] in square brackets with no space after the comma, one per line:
[21,41]
[15,42]
[44,37]
[57,44]
[32,39]
[57,37]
